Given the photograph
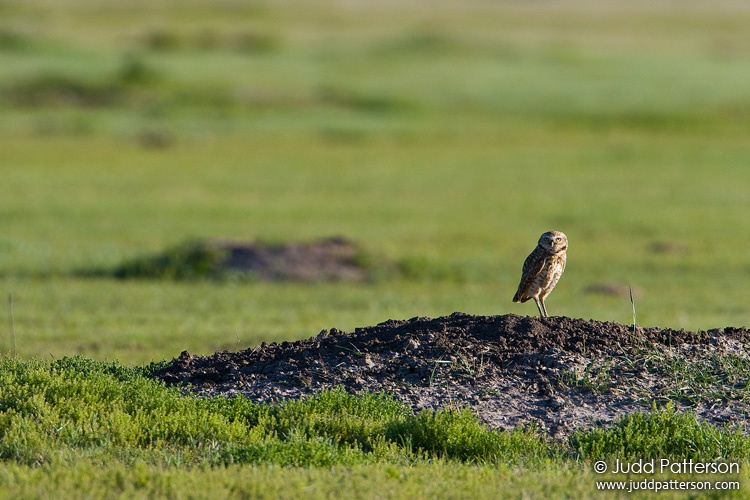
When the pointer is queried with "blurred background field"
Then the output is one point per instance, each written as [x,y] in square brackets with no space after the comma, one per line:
[446,136]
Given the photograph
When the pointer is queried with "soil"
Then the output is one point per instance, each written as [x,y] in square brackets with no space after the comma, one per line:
[330,259]
[560,373]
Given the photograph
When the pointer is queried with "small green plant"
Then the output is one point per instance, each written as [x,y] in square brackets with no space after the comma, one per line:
[457,434]
[595,376]
[438,362]
[661,434]
[353,349]
[468,364]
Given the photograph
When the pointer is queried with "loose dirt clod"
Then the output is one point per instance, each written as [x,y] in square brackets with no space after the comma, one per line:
[558,372]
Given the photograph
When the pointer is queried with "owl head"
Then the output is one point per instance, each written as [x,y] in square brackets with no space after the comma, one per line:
[554,241]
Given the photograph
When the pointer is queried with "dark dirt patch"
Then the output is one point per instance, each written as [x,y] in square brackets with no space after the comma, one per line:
[329,259]
[559,372]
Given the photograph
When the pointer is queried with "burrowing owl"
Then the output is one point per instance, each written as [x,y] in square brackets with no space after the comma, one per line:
[542,269]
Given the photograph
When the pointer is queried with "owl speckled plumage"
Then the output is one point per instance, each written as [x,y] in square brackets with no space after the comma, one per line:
[542,270]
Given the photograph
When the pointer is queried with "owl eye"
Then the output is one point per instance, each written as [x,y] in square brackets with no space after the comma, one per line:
[557,238]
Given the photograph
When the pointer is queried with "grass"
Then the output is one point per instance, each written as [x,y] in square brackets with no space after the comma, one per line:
[702,379]
[661,434]
[74,406]
[445,139]
[102,429]
[189,260]
[417,481]
[714,378]
[471,243]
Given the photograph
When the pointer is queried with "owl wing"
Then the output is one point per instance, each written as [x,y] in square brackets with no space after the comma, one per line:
[532,266]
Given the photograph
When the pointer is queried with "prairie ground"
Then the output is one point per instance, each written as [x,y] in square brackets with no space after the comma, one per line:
[444,137]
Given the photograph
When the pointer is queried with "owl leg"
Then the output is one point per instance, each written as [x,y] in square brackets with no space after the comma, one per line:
[544,308]
[540,306]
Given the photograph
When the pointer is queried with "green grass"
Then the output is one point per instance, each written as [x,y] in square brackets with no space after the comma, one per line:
[436,480]
[102,429]
[444,138]
[661,434]
[78,406]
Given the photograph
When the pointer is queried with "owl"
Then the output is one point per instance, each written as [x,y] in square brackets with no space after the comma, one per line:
[542,270]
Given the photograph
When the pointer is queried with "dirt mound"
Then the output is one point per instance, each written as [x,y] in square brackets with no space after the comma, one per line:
[559,372]
[327,259]
[330,259]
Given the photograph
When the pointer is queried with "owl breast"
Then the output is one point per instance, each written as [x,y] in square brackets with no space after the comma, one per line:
[547,279]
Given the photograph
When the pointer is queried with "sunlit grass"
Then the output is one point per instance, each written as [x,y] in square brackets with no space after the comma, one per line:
[77,427]
[462,211]
[444,138]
